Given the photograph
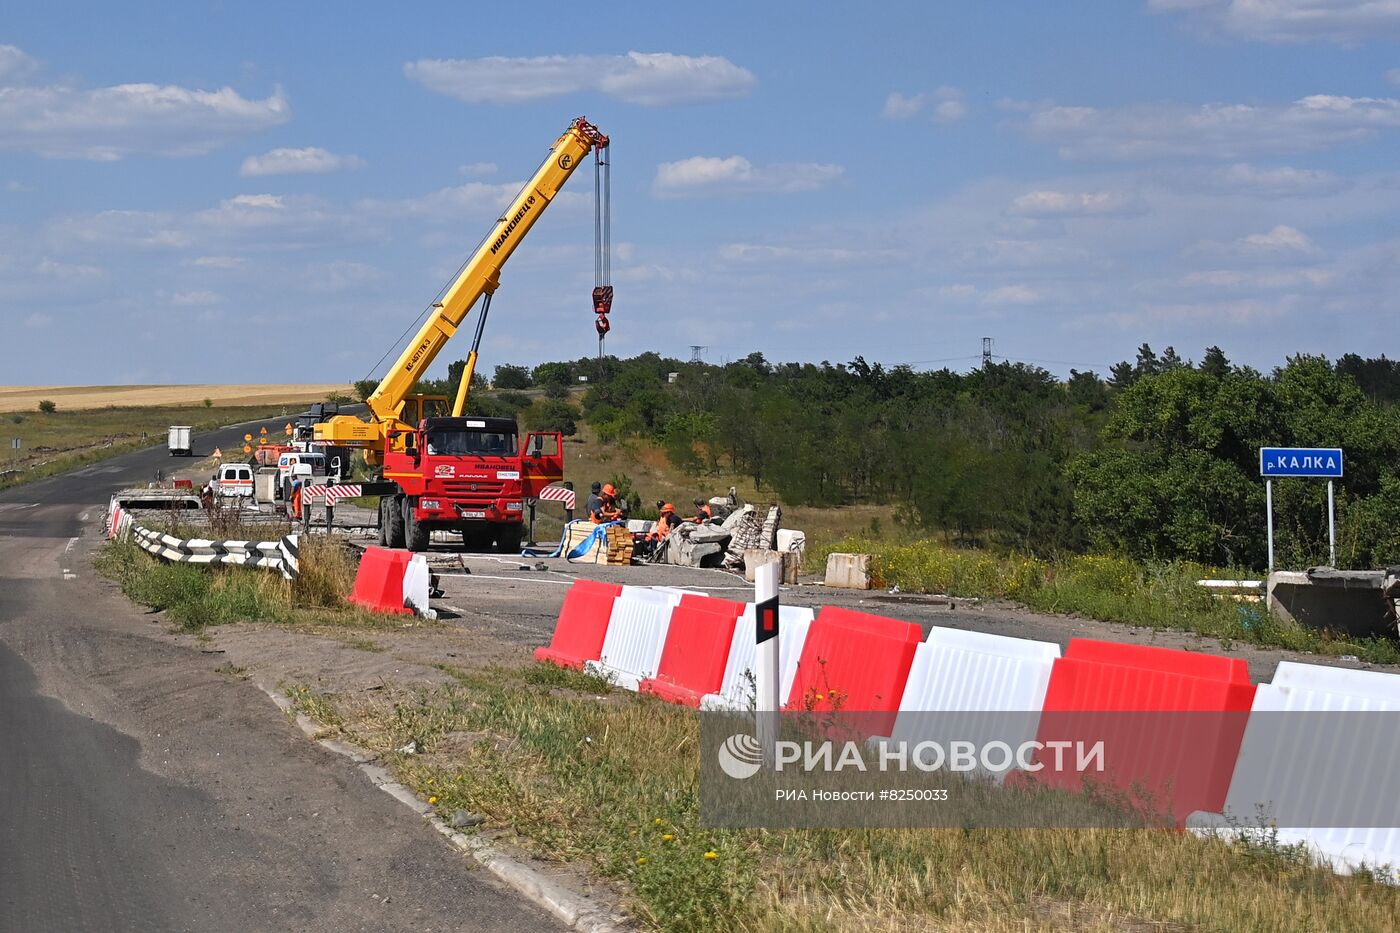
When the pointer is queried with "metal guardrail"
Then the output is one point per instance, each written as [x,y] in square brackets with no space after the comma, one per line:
[283,555]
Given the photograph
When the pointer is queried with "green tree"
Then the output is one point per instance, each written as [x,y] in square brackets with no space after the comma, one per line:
[364,388]
[512,377]
[48,406]
[551,415]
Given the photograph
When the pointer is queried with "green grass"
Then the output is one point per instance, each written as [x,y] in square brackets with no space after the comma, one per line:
[612,785]
[64,440]
[1161,595]
[195,597]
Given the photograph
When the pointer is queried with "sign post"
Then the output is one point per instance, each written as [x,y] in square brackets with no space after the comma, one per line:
[767,672]
[1314,462]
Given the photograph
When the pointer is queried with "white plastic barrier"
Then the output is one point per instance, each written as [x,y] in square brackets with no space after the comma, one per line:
[417,583]
[636,635]
[1267,772]
[736,691]
[956,671]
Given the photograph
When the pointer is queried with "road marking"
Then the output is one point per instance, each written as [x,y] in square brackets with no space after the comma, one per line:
[69,575]
[520,579]
[83,515]
[15,506]
[69,547]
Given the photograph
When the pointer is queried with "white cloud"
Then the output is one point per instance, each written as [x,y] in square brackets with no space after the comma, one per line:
[700,175]
[38,319]
[946,105]
[1236,278]
[900,107]
[1344,21]
[478,168]
[110,123]
[1281,243]
[1280,181]
[1215,131]
[66,270]
[17,186]
[763,253]
[15,64]
[1044,203]
[648,78]
[311,160]
[194,299]
[216,262]
[1001,295]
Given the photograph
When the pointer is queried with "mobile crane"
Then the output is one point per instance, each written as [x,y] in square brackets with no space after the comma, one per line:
[456,472]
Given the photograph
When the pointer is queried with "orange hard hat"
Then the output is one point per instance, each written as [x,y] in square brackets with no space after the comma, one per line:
[668,507]
[608,489]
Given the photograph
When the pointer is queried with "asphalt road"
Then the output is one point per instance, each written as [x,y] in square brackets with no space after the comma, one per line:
[142,789]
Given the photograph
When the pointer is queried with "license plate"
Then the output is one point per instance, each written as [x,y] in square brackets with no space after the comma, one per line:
[473,514]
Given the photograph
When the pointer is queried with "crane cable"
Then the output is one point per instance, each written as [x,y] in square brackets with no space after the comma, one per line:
[602,240]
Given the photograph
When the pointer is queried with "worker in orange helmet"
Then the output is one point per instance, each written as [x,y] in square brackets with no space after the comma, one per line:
[664,526]
[606,510]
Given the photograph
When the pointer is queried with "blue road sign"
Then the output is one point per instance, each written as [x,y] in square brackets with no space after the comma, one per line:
[1323,462]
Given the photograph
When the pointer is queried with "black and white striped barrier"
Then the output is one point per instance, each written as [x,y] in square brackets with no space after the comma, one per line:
[280,555]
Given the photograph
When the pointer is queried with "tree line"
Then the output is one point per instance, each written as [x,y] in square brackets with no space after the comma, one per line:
[1157,461]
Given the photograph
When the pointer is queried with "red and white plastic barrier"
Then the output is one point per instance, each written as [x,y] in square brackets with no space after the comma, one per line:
[691,649]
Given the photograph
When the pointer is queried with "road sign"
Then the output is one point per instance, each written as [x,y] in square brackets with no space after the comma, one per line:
[264,430]
[247,449]
[15,443]
[288,429]
[1320,462]
[1315,462]
[247,437]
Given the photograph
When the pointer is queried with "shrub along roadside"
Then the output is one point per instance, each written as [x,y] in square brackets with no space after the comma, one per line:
[1159,595]
[609,780]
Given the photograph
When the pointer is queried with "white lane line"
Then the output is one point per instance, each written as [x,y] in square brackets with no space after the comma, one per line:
[69,547]
[15,506]
[519,579]
[83,516]
[69,575]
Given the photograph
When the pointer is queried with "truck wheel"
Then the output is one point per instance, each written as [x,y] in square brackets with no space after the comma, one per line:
[508,540]
[415,535]
[391,520]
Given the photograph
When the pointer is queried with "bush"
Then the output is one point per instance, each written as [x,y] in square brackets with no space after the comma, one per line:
[364,388]
[48,407]
[553,415]
[512,377]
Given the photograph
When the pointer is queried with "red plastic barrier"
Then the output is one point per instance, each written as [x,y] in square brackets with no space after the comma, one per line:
[583,622]
[379,581]
[858,663]
[1171,722]
[697,647]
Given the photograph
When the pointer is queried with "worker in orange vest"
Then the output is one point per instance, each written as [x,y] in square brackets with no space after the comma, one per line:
[665,524]
[606,510]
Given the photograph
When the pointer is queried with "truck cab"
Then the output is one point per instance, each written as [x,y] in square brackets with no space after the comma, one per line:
[233,479]
[470,475]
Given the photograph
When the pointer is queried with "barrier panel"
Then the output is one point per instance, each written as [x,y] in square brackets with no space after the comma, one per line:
[737,690]
[1274,775]
[697,646]
[636,636]
[582,625]
[379,581]
[858,662]
[971,672]
[1165,766]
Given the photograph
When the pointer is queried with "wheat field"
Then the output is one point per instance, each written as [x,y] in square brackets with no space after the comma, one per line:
[71,398]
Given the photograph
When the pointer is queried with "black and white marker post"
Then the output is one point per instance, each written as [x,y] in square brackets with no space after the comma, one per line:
[768,671]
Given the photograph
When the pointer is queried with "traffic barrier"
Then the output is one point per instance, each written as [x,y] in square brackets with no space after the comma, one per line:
[1001,679]
[1267,775]
[582,625]
[697,647]
[279,555]
[1165,766]
[636,636]
[857,662]
[736,691]
[379,581]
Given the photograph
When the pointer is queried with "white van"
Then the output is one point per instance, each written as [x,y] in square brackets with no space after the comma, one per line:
[289,461]
[234,479]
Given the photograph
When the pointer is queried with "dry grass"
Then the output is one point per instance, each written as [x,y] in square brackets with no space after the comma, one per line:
[73,398]
[604,783]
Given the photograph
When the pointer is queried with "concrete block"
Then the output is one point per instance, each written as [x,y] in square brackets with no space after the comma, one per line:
[849,571]
[790,539]
[787,572]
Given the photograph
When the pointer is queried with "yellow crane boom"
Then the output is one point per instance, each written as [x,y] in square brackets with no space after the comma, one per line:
[479,277]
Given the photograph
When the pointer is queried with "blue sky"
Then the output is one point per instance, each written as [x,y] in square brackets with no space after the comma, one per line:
[272,192]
